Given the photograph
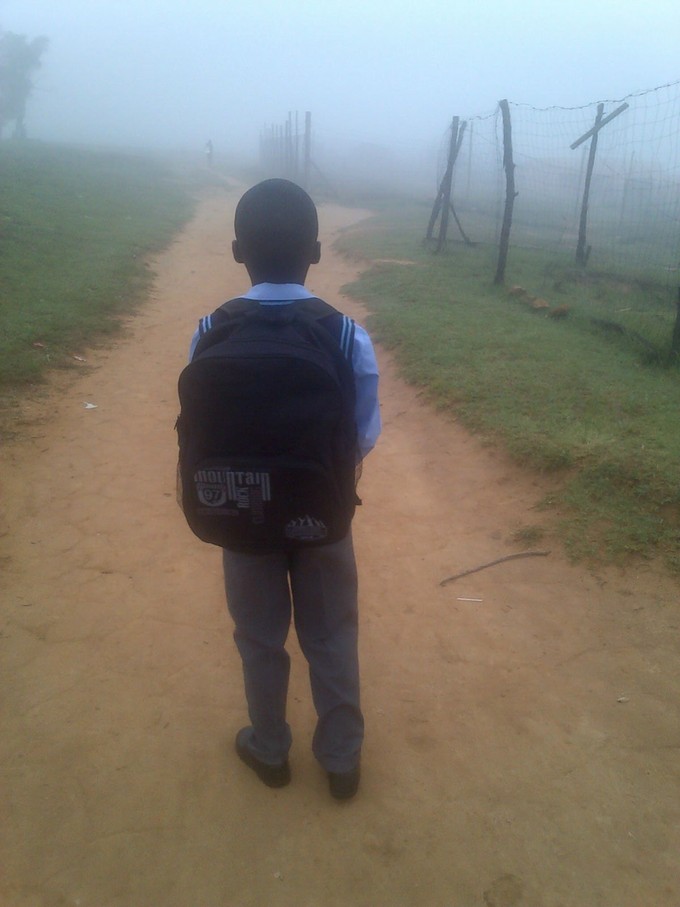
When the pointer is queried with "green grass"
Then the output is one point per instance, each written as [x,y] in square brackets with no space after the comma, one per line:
[588,406]
[76,227]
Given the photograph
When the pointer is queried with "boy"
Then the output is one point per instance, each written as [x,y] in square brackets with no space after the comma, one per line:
[276,229]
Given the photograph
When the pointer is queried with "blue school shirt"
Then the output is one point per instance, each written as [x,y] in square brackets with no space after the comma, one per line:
[367,412]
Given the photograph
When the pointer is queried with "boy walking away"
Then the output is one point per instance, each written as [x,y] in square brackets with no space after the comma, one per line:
[279,406]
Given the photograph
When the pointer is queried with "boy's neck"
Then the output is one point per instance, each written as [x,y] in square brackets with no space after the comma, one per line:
[257,281]
[297,276]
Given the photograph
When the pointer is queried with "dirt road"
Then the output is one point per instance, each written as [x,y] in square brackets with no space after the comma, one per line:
[522,723]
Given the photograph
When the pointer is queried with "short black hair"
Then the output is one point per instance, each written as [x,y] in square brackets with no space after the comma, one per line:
[276,227]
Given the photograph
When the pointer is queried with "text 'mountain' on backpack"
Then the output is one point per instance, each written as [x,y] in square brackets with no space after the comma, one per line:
[267,434]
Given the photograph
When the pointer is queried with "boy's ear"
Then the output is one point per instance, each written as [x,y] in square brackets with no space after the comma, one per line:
[236,252]
[316,254]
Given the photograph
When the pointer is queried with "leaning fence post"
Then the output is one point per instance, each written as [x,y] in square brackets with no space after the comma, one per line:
[675,342]
[581,251]
[510,193]
[446,185]
[443,202]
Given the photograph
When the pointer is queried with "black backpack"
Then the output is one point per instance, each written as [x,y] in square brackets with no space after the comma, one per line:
[267,433]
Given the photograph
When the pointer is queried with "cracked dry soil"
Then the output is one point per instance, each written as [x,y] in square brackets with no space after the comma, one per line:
[522,722]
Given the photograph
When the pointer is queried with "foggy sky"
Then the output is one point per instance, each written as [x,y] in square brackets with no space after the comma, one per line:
[173,73]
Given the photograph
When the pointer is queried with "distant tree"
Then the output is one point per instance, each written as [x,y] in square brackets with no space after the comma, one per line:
[19,58]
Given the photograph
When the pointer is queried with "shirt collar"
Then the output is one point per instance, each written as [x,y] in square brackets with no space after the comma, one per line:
[277,292]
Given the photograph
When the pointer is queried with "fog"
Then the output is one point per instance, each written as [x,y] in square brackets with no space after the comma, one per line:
[172,74]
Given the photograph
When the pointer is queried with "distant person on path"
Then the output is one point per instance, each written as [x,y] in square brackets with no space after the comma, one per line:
[311,572]
[209,152]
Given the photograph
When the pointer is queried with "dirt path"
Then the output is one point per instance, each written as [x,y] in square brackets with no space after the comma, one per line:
[522,745]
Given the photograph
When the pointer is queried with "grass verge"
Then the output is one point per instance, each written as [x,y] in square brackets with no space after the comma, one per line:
[76,228]
[590,407]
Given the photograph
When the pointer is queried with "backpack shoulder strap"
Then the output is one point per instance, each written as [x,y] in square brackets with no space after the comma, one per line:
[222,315]
[233,309]
[341,327]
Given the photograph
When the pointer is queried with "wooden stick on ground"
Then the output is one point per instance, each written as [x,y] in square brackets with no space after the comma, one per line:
[500,560]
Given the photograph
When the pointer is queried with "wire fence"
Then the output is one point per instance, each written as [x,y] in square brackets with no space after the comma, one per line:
[633,208]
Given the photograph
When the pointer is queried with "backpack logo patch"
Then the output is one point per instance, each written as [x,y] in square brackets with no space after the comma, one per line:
[211,495]
[247,490]
[307,529]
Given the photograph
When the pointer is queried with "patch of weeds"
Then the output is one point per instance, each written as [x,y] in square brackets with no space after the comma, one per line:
[528,536]
[562,398]
[76,229]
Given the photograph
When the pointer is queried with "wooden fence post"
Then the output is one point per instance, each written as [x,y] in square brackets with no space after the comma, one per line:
[436,208]
[288,157]
[469,166]
[583,252]
[443,202]
[308,148]
[675,342]
[446,185]
[510,193]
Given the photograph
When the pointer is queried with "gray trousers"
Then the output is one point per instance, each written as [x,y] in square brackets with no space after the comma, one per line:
[319,585]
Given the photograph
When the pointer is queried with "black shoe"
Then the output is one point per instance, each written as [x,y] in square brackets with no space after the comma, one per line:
[272,775]
[344,785]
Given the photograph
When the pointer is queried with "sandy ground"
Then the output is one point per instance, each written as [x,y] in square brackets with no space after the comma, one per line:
[522,745]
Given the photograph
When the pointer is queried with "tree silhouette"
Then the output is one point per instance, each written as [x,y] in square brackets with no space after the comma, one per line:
[19,58]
